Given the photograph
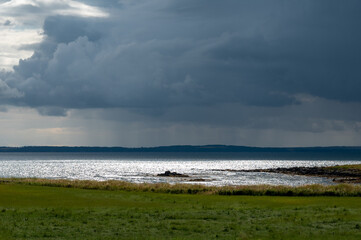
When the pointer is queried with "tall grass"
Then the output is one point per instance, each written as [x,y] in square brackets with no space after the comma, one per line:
[256,190]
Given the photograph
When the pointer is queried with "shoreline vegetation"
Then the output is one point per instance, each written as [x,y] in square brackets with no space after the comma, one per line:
[340,190]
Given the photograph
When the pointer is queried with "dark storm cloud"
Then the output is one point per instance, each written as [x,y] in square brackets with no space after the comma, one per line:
[68,29]
[161,54]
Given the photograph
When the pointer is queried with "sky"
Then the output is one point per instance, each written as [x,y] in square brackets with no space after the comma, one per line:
[167,72]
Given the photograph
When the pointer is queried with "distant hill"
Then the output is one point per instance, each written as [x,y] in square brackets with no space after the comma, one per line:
[187,148]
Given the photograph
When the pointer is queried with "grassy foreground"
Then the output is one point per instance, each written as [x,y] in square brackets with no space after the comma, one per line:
[31,211]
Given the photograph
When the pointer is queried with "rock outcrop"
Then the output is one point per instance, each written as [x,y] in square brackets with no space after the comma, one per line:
[171,174]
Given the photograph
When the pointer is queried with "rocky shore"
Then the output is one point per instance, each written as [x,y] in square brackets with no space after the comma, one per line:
[340,174]
[181,175]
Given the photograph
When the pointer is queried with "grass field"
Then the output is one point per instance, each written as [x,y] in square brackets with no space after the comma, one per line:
[41,212]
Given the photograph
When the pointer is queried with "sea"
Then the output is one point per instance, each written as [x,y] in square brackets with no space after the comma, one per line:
[217,169]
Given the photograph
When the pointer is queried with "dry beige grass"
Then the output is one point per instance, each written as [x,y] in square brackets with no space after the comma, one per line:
[257,190]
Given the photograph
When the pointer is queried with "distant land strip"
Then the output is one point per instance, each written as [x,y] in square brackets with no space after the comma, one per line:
[188,148]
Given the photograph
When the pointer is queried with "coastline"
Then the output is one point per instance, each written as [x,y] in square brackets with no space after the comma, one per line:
[338,173]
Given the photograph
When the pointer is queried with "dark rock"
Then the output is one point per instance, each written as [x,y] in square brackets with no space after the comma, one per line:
[171,174]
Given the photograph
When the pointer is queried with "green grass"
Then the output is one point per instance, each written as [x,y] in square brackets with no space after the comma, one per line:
[356,167]
[42,212]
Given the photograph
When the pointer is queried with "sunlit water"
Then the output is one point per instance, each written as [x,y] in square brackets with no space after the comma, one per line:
[144,168]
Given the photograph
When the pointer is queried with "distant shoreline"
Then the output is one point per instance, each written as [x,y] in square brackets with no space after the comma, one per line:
[188,148]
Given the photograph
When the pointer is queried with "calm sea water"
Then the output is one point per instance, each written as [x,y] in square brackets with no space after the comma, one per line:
[137,167]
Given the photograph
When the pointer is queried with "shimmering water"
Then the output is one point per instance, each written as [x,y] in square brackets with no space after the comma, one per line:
[144,167]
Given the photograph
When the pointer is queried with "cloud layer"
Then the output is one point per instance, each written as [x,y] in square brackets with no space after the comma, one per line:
[192,60]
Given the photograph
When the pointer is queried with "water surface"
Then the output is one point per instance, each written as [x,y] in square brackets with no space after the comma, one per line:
[143,167]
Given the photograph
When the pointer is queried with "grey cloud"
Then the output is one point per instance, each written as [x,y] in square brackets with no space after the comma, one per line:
[32,13]
[3,109]
[8,93]
[7,23]
[104,4]
[164,56]
[52,111]
[68,29]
